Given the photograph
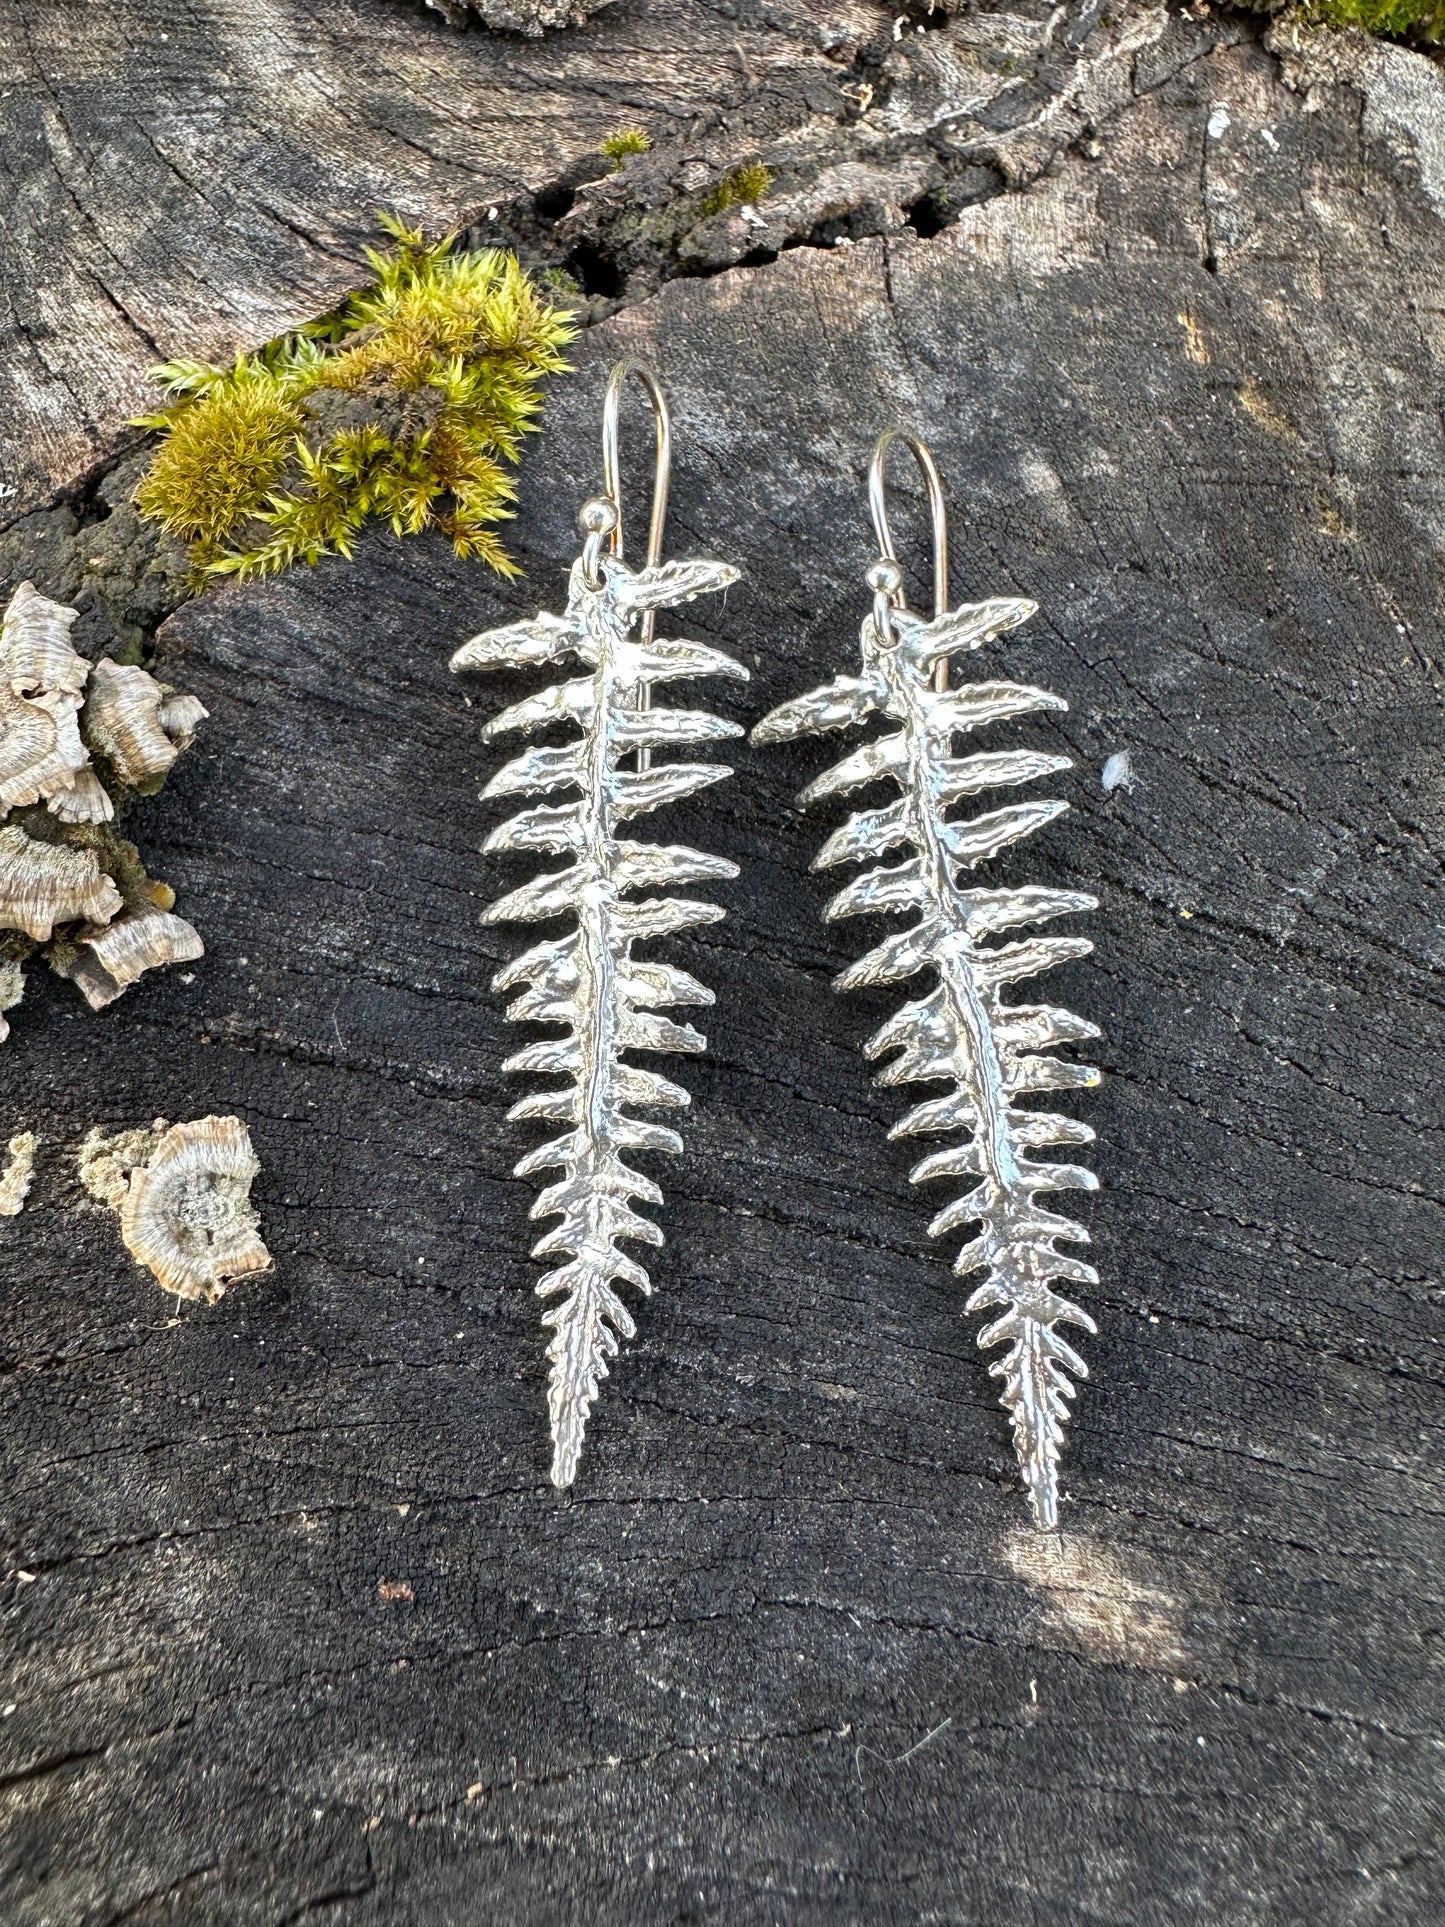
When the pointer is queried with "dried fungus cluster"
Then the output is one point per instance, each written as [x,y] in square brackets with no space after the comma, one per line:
[78,742]
[183,1193]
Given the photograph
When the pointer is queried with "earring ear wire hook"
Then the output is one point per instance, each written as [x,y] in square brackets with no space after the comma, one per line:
[612,479]
[938,513]
[611,465]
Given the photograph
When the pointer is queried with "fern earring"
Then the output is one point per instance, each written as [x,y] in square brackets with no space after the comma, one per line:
[988,1051]
[589,980]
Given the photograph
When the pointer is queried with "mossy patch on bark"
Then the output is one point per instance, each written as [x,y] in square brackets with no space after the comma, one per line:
[624,141]
[408,403]
[743,187]
[1418,20]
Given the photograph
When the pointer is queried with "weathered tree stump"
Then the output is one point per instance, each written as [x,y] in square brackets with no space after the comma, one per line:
[296,1627]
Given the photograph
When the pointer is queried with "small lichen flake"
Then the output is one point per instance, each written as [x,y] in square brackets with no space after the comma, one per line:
[183,1194]
[992,1054]
[589,980]
[15,1179]
[12,990]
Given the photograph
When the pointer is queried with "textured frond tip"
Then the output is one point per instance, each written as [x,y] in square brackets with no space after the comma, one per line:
[991,1054]
[607,1001]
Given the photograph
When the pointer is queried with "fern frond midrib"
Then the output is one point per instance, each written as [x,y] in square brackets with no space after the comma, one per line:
[603,1012]
[582,1322]
[588,981]
[954,961]
[1033,1403]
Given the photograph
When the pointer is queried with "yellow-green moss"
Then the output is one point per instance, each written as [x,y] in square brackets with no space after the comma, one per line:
[624,141]
[743,187]
[406,403]
[1422,20]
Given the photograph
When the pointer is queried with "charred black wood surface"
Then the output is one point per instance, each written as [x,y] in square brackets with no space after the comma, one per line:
[296,1628]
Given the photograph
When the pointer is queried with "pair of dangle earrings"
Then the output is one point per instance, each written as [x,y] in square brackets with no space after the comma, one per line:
[621,892]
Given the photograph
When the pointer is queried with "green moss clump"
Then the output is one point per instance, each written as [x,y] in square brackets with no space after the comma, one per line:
[743,187]
[405,403]
[1420,20]
[624,141]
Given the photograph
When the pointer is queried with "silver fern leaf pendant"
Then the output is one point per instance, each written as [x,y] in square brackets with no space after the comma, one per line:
[991,1054]
[589,981]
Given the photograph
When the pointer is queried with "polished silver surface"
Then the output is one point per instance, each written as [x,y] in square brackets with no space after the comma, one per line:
[938,519]
[588,981]
[992,1054]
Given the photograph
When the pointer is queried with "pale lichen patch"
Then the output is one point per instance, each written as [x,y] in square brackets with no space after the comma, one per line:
[1095,1604]
[105,1163]
[16,1178]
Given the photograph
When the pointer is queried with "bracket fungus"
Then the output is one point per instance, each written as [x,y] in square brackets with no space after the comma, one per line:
[183,1193]
[137,724]
[109,958]
[78,742]
[42,884]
